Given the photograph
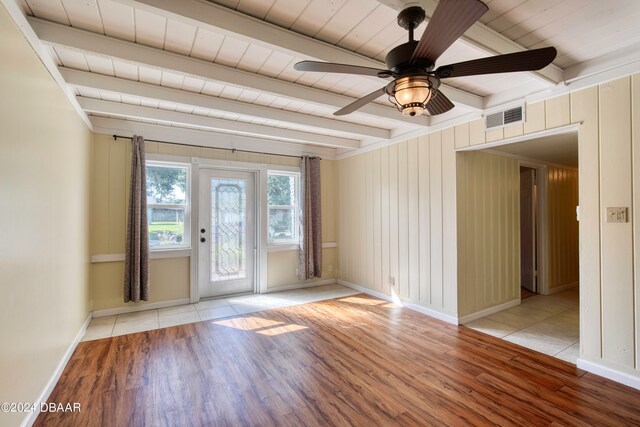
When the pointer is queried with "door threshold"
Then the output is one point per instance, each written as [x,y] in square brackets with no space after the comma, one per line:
[240,294]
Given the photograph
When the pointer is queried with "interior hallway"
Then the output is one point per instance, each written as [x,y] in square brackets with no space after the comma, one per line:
[545,323]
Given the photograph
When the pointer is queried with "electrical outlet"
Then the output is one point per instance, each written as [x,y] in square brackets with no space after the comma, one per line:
[330,268]
[392,280]
[616,214]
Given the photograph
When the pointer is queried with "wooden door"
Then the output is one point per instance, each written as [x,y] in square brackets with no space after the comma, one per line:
[527,230]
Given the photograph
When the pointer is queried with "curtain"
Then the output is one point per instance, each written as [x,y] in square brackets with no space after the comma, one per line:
[136,266]
[310,253]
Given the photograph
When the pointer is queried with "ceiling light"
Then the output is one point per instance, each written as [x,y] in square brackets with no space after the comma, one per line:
[411,94]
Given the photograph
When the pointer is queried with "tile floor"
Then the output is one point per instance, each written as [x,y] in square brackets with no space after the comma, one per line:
[122,324]
[545,323]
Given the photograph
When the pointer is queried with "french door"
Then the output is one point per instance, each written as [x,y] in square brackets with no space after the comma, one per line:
[227,232]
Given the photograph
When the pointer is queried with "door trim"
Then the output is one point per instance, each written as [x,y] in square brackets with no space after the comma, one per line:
[542,233]
[260,171]
[237,285]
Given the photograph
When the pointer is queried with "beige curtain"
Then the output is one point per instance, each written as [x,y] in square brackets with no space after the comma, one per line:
[310,254]
[136,266]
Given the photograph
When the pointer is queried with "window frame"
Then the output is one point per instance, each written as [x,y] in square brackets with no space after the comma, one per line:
[186,239]
[295,242]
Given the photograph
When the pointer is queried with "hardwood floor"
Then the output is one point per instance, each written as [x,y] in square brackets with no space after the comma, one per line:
[350,361]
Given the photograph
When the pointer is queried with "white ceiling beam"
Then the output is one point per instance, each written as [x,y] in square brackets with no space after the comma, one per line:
[111,108]
[604,63]
[17,15]
[85,79]
[206,139]
[484,38]
[223,20]
[57,34]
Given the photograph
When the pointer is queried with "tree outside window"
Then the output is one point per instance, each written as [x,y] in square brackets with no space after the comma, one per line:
[282,194]
[167,205]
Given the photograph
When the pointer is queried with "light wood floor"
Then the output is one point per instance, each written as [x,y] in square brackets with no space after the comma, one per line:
[351,361]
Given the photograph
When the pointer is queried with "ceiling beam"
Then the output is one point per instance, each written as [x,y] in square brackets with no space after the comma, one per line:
[111,108]
[85,79]
[486,39]
[223,20]
[610,61]
[235,24]
[14,10]
[57,34]
[205,139]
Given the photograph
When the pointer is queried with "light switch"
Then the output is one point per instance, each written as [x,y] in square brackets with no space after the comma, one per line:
[616,214]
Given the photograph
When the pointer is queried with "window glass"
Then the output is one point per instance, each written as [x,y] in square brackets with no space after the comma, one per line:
[282,192]
[166,185]
[167,205]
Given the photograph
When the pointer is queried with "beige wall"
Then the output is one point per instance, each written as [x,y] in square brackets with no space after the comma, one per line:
[397,204]
[397,213]
[609,174]
[169,278]
[488,231]
[44,212]
[562,199]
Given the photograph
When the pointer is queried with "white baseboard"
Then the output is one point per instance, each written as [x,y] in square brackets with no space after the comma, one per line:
[300,286]
[626,376]
[368,291]
[139,307]
[46,392]
[430,312]
[424,310]
[563,287]
[488,311]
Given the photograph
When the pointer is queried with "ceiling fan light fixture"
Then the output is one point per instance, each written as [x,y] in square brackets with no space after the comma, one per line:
[411,94]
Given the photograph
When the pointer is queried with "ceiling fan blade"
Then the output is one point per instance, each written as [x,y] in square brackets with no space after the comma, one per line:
[439,104]
[449,21]
[359,103]
[529,60]
[330,67]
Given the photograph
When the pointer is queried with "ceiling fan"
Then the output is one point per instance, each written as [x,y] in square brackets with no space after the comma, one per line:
[415,84]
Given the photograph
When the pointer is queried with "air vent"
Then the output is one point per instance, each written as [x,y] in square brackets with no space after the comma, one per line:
[504,118]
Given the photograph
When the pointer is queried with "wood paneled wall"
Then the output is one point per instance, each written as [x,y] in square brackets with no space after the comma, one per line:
[170,277]
[397,217]
[609,176]
[488,231]
[397,213]
[562,199]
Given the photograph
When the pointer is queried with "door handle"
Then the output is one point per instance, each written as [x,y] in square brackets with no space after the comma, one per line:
[202,239]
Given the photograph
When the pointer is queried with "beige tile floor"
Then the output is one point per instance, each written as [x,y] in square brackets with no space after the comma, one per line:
[545,323]
[122,324]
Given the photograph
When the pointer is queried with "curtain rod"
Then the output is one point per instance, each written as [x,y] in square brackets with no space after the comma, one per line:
[233,150]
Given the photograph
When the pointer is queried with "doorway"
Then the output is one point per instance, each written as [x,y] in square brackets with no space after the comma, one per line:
[227,232]
[529,223]
[543,311]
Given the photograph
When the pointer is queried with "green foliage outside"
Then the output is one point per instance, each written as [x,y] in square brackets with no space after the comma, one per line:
[162,183]
[165,233]
[166,227]
[279,189]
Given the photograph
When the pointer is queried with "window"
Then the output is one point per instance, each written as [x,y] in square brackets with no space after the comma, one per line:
[283,194]
[168,213]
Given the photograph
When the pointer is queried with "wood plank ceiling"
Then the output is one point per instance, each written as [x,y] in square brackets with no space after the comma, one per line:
[143,61]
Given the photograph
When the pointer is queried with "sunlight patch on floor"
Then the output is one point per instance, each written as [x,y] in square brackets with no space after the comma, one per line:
[281,330]
[247,323]
[362,301]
